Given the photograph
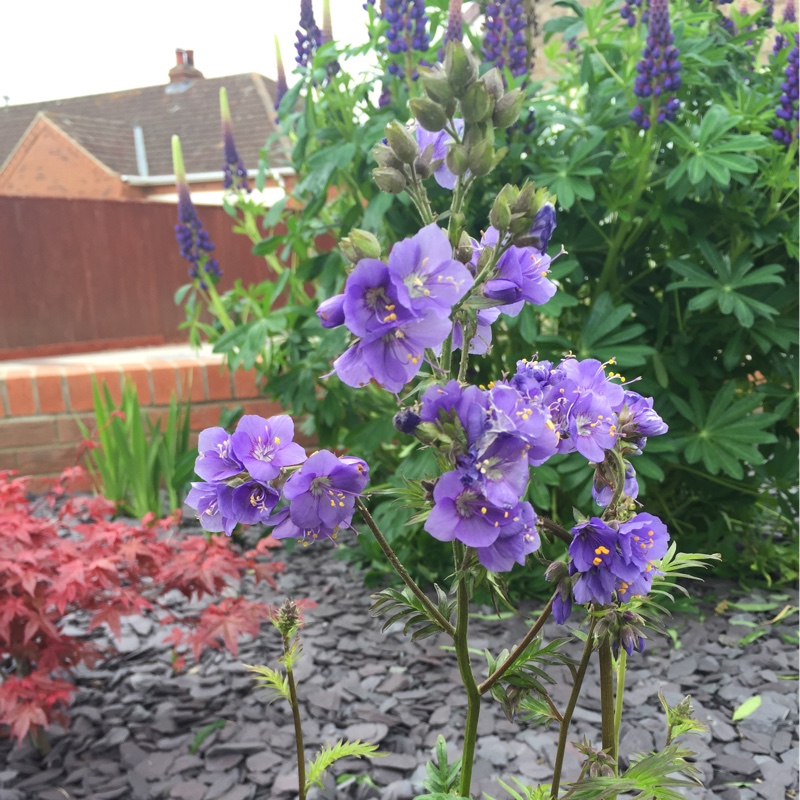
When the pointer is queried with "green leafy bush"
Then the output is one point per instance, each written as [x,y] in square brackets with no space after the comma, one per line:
[131,459]
[682,266]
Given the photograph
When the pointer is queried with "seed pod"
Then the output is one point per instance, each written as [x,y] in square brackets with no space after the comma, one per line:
[500,215]
[457,159]
[460,67]
[436,85]
[389,180]
[360,244]
[507,108]
[463,253]
[385,157]
[477,104]
[494,83]
[430,115]
[402,142]
[481,158]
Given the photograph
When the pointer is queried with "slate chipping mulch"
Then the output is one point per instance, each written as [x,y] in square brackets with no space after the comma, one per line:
[132,721]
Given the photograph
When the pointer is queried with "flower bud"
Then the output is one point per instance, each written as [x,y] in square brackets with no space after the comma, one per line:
[386,158]
[406,421]
[507,108]
[463,253]
[500,215]
[430,115]
[457,159]
[360,244]
[457,223]
[460,67]
[437,86]
[402,142]
[485,258]
[389,180]
[524,202]
[477,104]
[481,158]
[287,618]
[556,572]
[494,83]
[331,312]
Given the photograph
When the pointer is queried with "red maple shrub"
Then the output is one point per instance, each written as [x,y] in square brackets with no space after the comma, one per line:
[74,558]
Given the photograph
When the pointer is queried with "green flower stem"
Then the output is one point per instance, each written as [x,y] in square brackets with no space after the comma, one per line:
[621,666]
[570,710]
[518,650]
[298,734]
[467,332]
[435,616]
[216,307]
[468,679]
[555,528]
[607,697]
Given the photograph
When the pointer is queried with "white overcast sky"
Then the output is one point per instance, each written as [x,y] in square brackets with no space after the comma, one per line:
[53,49]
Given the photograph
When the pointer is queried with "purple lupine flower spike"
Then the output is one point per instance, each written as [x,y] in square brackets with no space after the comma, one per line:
[766,20]
[234,173]
[309,36]
[408,30]
[327,35]
[789,15]
[195,246]
[454,32]
[281,87]
[504,41]
[628,11]
[787,111]
[658,71]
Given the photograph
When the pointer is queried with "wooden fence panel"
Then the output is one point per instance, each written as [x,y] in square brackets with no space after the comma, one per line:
[91,274]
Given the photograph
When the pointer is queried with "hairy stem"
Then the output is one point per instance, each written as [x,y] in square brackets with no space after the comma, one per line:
[607,697]
[555,528]
[621,665]
[443,623]
[518,650]
[298,729]
[570,710]
[468,679]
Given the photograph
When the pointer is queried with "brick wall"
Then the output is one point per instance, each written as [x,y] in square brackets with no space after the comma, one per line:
[40,405]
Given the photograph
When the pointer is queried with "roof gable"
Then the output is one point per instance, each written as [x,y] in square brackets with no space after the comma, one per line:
[103,124]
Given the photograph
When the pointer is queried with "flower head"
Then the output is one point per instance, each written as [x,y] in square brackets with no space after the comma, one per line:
[658,71]
[216,460]
[309,36]
[407,30]
[504,38]
[787,111]
[265,446]
[322,492]
[248,503]
[205,499]
[195,246]
[789,15]
[234,173]
[439,144]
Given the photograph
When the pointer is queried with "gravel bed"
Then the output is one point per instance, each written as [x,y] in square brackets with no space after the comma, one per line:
[133,722]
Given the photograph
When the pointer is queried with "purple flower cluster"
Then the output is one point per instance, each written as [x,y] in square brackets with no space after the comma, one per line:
[628,11]
[309,36]
[397,310]
[659,70]
[504,42]
[789,15]
[233,172]
[455,23]
[407,30]
[500,432]
[787,111]
[521,273]
[766,20]
[238,470]
[612,560]
[193,241]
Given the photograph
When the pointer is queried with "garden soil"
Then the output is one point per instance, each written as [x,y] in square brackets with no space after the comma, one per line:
[134,723]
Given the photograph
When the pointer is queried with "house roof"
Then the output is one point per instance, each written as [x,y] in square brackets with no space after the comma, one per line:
[103,123]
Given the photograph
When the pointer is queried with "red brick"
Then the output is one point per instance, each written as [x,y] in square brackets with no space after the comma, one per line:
[50,391]
[112,378]
[205,416]
[244,384]
[219,382]
[139,375]
[8,459]
[68,429]
[164,384]
[19,391]
[190,381]
[264,408]
[27,433]
[79,384]
[46,460]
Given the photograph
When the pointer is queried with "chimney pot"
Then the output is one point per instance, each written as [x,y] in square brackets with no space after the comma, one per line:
[184,70]
[190,57]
